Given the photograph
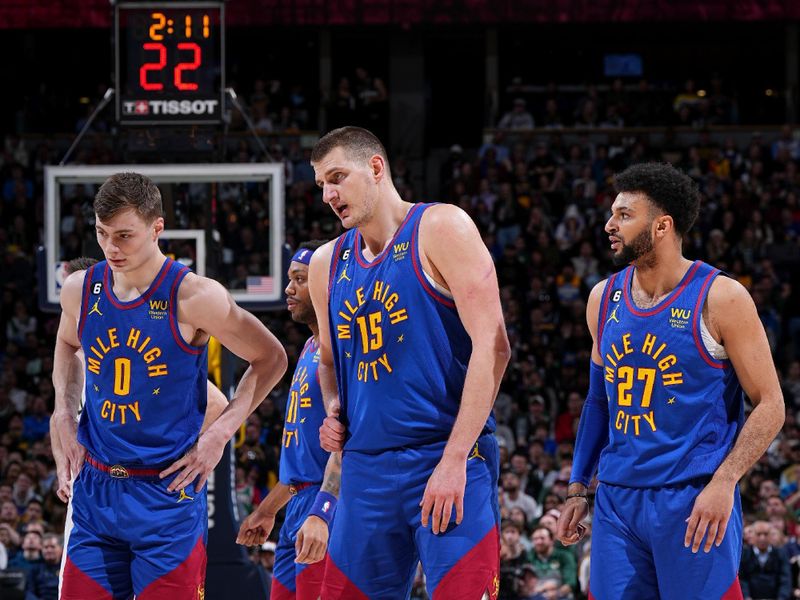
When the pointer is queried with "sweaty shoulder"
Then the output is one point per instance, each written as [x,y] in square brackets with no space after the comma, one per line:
[727,302]
[441,222]
[72,292]
[593,304]
[198,293]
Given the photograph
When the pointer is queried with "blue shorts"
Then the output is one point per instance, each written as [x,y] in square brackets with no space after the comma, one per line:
[638,551]
[378,538]
[291,580]
[131,536]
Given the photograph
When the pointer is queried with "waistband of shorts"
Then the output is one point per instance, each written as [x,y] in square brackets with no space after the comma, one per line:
[294,488]
[123,472]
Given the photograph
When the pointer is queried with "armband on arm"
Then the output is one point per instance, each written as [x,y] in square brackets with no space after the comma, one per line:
[593,429]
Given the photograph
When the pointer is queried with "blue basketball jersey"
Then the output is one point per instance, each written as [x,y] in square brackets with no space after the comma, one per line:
[399,348]
[302,458]
[675,411]
[145,386]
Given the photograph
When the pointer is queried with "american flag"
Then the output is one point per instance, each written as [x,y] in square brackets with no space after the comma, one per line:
[260,285]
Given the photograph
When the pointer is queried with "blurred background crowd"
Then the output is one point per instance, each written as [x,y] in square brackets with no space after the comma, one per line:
[536,175]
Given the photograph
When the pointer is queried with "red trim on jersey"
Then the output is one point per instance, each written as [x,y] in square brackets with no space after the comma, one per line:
[734,592]
[280,591]
[87,285]
[109,284]
[173,315]
[337,586]
[378,259]
[77,585]
[337,250]
[309,581]
[184,582]
[666,301]
[476,573]
[698,309]
[426,285]
[601,323]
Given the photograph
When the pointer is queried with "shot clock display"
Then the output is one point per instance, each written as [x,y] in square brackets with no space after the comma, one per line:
[169,62]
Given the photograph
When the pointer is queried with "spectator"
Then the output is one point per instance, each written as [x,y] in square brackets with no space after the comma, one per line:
[518,117]
[30,554]
[550,561]
[764,570]
[514,496]
[43,577]
[527,584]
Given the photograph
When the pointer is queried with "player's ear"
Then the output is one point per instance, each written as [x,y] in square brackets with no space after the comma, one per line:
[158,226]
[664,224]
[378,167]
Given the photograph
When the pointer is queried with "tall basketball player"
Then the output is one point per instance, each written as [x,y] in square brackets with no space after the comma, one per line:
[412,331]
[674,345]
[142,321]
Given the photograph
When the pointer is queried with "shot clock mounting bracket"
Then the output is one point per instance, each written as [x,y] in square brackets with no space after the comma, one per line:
[169,62]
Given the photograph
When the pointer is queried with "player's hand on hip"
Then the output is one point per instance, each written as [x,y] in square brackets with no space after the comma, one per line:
[445,488]
[332,433]
[255,529]
[569,529]
[710,514]
[197,463]
[312,541]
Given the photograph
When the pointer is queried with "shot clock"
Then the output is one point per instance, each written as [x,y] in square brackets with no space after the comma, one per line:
[169,62]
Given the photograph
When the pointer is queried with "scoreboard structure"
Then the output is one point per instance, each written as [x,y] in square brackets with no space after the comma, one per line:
[169,62]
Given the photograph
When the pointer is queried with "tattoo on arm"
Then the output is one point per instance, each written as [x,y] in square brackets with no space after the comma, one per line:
[333,474]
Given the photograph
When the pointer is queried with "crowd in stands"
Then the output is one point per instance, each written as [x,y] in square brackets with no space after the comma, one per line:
[617,104]
[540,205]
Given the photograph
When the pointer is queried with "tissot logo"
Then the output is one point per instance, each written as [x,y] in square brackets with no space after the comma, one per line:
[170,107]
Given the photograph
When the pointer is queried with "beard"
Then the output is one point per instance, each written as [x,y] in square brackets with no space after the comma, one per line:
[304,315]
[639,247]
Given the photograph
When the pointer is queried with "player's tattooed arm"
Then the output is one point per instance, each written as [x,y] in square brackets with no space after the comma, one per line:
[312,538]
[333,474]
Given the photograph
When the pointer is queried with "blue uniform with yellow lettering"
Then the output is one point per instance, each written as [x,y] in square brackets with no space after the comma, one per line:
[145,403]
[400,354]
[302,467]
[675,412]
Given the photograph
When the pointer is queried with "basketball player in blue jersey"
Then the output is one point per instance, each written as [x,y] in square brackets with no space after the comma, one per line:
[675,343]
[215,405]
[142,321]
[299,570]
[412,350]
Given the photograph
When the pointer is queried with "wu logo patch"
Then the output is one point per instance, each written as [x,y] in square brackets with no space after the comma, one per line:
[400,250]
[679,317]
[158,309]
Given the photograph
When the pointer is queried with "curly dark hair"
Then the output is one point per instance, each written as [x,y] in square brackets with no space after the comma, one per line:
[669,189]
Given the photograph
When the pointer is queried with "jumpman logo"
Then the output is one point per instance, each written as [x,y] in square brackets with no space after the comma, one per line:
[476,454]
[613,316]
[95,308]
[184,496]
[343,276]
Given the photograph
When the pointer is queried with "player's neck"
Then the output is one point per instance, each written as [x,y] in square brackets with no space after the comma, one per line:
[389,215]
[314,332]
[655,280]
[139,279]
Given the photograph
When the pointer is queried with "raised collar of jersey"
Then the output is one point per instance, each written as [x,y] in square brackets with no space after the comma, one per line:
[626,292]
[109,287]
[310,345]
[377,260]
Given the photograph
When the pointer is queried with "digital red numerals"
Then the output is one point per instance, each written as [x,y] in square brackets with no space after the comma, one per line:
[153,66]
[178,72]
